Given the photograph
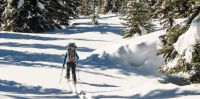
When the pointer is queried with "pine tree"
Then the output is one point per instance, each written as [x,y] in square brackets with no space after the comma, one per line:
[85,7]
[138,16]
[71,6]
[107,6]
[95,14]
[113,5]
[188,9]
[37,15]
[164,11]
[25,16]
[123,7]
[100,6]
[103,6]
[120,6]
[2,7]
[168,10]
[91,8]
[60,11]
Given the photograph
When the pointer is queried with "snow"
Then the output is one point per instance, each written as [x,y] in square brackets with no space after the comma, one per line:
[184,47]
[143,31]
[9,1]
[171,64]
[40,5]
[140,53]
[109,66]
[20,3]
[188,54]
[188,39]
[61,2]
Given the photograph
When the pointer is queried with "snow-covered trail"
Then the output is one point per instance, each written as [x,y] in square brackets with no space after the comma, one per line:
[32,62]
[30,66]
[35,60]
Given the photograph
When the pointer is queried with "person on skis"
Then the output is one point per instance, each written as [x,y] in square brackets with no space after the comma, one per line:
[71,57]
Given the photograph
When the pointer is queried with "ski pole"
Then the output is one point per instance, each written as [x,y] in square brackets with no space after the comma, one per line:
[61,75]
[78,71]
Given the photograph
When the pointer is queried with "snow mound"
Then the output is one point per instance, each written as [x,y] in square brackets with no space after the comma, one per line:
[138,51]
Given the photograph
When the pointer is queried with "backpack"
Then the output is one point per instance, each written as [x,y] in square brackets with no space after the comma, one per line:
[71,52]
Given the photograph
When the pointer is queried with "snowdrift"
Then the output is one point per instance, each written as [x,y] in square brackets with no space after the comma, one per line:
[138,52]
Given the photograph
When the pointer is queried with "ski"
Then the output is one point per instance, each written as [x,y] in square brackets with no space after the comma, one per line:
[76,90]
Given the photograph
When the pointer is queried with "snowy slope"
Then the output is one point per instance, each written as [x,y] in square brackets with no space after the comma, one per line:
[110,67]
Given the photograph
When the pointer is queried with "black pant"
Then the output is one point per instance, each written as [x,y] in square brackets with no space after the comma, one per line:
[71,65]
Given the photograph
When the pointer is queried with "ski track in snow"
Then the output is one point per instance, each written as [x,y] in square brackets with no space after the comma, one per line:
[30,66]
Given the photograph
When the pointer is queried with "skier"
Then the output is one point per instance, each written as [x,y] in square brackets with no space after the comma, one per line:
[71,57]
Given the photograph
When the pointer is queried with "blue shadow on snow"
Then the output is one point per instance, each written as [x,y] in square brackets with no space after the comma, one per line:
[12,86]
[26,36]
[18,88]
[154,94]
[101,28]
[24,58]
[44,46]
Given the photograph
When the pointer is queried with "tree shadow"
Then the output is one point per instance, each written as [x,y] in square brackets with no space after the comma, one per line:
[180,81]
[44,46]
[38,91]
[41,46]
[97,73]
[26,36]
[24,58]
[88,27]
[16,97]
[44,97]
[81,39]
[85,49]
[105,17]
[34,59]
[12,86]
[99,85]
[154,94]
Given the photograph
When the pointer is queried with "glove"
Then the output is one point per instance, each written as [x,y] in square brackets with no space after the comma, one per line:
[63,66]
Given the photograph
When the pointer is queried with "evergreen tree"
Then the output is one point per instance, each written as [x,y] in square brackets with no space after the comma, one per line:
[107,6]
[152,2]
[168,10]
[103,6]
[37,15]
[2,6]
[95,14]
[100,6]
[138,17]
[60,11]
[25,16]
[123,7]
[163,11]
[71,6]
[119,6]
[85,7]
[91,8]
[188,9]
[114,6]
